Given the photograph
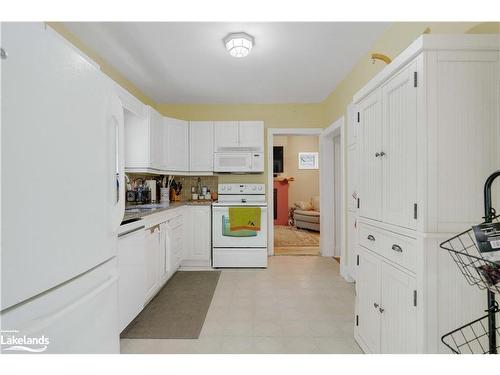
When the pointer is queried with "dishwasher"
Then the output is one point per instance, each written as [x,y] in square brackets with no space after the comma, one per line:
[131,268]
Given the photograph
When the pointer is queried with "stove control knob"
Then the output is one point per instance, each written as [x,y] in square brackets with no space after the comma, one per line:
[253,188]
[229,188]
[223,188]
[260,188]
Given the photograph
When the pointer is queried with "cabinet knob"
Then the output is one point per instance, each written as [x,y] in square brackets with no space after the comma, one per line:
[370,238]
[377,154]
[381,310]
[382,153]
[376,305]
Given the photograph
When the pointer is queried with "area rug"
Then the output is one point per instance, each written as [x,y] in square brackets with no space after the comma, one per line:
[292,241]
[178,311]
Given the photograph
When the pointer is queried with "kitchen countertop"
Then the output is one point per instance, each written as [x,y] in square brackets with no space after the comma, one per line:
[143,212]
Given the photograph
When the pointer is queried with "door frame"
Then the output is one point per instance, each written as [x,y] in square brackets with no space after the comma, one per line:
[327,201]
[271,132]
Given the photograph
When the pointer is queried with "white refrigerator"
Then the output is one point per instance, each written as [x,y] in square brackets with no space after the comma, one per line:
[62,196]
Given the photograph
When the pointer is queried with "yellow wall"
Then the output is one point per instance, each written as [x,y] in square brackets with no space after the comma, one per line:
[273,115]
[395,39]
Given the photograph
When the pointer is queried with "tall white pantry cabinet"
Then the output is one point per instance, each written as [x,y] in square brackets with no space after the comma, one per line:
[427,138]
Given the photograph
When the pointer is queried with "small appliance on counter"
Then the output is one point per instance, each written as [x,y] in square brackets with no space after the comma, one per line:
[140,192]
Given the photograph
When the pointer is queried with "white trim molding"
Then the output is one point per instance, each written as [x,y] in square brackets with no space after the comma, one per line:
[327,198]
[271,132]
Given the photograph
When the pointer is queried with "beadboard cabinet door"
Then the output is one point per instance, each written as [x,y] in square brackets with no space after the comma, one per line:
[352,178]
[399,159]
[370,162]
[368,295]
[398,333]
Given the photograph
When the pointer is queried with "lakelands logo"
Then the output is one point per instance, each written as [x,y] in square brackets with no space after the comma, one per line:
[11,341]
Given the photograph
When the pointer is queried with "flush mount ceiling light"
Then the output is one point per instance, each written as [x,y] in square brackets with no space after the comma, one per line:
[239,44]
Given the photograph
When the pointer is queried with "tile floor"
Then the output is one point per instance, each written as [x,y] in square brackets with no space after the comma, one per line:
[300,304]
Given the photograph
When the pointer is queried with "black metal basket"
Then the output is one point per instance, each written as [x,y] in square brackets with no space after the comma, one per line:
[479,336]
[476,270]
[472,338]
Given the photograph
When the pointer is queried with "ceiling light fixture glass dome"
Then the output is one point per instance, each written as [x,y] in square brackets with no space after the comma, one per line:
[239,44]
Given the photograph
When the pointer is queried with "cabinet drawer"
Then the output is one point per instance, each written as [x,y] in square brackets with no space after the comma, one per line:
[175,221]
[400,249]
[395,247]
[371,238]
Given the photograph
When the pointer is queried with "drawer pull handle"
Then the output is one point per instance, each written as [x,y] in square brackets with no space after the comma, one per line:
[370,238]
[376,305]
[397,248]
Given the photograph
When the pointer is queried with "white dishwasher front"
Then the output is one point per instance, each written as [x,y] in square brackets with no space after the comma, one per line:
[131,268]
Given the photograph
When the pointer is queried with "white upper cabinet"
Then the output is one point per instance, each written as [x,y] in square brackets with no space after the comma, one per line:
[144,141]
[370,161]
[201,146]
[251,135]
[399,160]
[177,144]
[156,140]
[226,135]
[239,136]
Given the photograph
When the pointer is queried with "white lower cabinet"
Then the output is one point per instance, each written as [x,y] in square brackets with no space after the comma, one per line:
[198,242]
[152,260]
[386,306]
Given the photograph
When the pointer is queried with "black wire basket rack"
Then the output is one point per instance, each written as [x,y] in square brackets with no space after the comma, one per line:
[476,270]
[481,335]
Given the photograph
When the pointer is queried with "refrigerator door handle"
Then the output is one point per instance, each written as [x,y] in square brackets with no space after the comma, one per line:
[117,126]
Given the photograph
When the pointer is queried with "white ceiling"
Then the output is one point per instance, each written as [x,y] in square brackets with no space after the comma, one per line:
[186,62]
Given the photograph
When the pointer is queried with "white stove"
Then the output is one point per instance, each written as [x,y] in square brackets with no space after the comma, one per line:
[239,249]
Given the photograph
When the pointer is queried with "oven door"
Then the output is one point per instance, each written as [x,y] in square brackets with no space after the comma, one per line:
[222,237]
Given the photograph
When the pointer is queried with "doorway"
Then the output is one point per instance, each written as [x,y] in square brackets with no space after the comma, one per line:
[296,211]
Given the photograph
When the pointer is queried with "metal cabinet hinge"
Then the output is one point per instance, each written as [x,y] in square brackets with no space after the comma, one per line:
[415,79]
[414,298]
[357,260]
[357,320]
[415,211]
[358,202]
[358,117]
[3,54]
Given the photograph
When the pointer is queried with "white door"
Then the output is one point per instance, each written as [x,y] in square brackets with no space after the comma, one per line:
[131,268]
[222,237]
[398,316]
[78,317]
[370,162]
[156,140]
[352,242]
[368,297]
[61,163]
[251,135]
[226,135]
[201,146]
[352,125]
[197,236]
[352,177]
[399,163]
[178,147]
[152,260]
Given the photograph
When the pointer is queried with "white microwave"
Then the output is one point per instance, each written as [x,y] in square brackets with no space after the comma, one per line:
[243,162]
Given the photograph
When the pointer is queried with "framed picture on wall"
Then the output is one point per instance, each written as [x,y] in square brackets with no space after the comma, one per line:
[308,160]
